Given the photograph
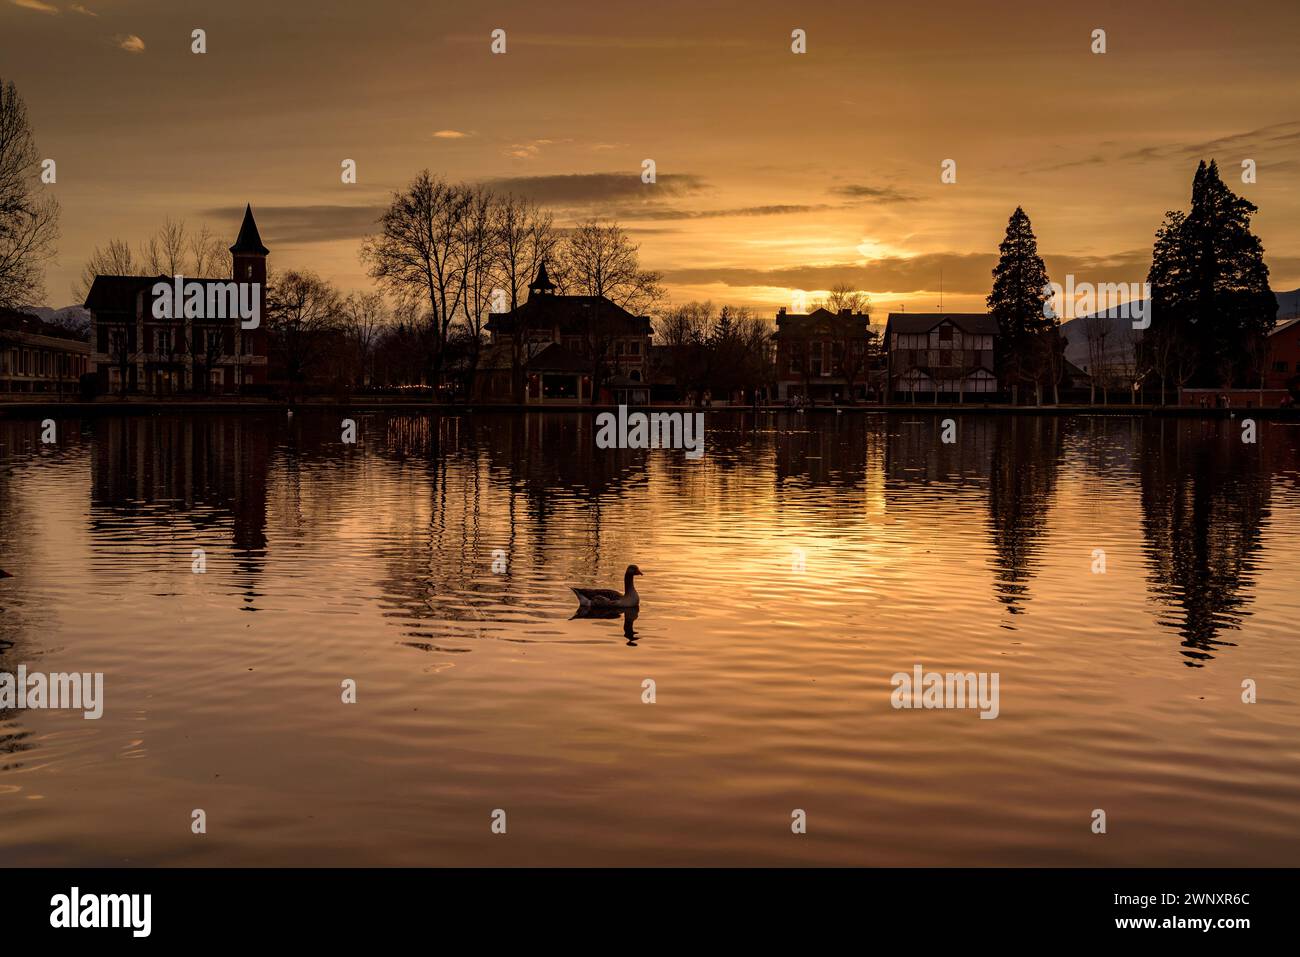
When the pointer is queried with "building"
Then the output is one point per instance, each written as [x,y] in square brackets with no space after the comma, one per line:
[824,356]
[1282,370]
[942,355]
[133,351]
[569,347]
[39,358]
[1281,385]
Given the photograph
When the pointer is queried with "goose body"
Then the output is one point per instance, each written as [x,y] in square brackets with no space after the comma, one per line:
[5,574]
[607,597]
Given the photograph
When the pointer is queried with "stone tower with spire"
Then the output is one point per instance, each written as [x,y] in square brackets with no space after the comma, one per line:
[248,263]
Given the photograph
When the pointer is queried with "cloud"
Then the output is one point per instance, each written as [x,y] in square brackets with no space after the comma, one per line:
[963,273]
[668,212]
[608,42]
[882,194]
[451,135]
[78,8]
[36,5]
[1263,140]
[527,150]
[130,43]
[593,188]
[301,225]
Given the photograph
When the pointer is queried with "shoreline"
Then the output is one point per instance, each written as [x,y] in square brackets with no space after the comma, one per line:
[24,410]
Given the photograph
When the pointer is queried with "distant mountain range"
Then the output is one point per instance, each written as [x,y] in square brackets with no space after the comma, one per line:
[73,318]
[1076,346]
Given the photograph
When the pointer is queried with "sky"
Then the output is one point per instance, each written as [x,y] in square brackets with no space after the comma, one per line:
[778,174]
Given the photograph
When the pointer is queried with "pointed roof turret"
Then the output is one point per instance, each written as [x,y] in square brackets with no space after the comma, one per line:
[249,241]
[542,285]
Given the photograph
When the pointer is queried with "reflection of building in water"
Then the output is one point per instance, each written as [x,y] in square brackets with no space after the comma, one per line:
[1205,495]
[158,478]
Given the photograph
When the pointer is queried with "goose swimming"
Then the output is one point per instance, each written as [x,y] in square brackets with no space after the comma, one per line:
[607,597]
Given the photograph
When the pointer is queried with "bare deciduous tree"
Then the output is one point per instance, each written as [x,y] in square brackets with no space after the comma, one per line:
[602,262]
[28,219]
[414,254]
[527,238]
[364,318]
[302,311]
[115,259]
[173,250]
[477,260]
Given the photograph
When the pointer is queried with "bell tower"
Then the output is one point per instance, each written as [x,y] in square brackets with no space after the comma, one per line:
[542,285]
[248,264]
[248,254]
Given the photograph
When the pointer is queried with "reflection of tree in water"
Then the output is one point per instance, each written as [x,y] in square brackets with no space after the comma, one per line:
[1022,478]
[495,480]
[1205,495]
[176,477]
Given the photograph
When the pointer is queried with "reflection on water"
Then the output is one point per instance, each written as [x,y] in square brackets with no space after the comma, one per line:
[789,573]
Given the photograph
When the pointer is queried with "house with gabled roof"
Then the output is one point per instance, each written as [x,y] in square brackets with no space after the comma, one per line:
[568,348]
[942,355]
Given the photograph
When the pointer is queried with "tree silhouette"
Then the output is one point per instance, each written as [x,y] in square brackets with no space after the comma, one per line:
[1211,303]
[1017,303]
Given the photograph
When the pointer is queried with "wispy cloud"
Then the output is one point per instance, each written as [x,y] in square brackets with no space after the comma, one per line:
[881,194]
[36,5]
[1261,141]
[608,42]
[963,273]
[130,43]
[451,135]
[667,212]
[527,150]
[78,8]
[301,225]
[580,188]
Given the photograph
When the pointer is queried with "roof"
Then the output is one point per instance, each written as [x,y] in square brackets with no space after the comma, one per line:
[820,318]
[12,320]
[976,323]
[543,281]
[1285,324]
[249,241]
[572,314]
[117,293]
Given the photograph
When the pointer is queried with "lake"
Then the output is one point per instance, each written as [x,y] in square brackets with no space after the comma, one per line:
[1125,577]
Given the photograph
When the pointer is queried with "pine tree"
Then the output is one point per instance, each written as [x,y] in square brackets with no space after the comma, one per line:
[1211,302]
[1017,302]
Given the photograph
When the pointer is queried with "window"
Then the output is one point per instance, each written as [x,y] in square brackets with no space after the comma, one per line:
[1279,366]
[164,341]
[213,341]
[634,348]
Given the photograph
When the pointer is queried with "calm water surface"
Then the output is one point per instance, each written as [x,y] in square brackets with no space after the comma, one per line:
[478,690]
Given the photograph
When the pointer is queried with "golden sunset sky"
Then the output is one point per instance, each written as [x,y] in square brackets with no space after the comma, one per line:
[777,172]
